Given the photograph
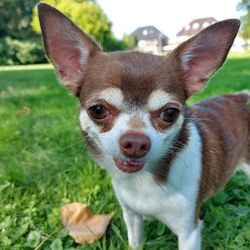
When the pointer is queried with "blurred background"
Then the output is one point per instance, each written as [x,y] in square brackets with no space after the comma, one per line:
[151,26]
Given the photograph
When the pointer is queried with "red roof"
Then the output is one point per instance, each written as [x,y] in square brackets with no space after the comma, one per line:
[196,26]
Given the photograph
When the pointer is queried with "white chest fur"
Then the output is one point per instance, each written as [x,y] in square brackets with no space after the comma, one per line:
[172,202]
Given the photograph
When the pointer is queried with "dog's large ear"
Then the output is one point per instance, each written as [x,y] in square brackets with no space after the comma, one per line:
[200,56]
[66,45]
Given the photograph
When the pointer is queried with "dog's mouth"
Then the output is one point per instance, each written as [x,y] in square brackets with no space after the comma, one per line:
[129,165]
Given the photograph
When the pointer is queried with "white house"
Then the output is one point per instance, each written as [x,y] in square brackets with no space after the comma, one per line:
[196,26]
[150,39]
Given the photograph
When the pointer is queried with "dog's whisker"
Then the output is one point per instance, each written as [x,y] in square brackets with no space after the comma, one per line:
[74,144]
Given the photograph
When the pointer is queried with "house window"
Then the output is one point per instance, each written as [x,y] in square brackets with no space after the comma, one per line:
[145,32]
[142,43]
[206,24]
[196,26]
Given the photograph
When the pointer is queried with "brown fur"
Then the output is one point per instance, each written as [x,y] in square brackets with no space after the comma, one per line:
[135,73]
[224,126]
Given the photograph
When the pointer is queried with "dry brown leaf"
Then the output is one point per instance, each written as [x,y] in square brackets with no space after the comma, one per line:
[82,224]
[26,110]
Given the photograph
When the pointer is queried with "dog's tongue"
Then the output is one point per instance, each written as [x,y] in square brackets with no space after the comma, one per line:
[129,166]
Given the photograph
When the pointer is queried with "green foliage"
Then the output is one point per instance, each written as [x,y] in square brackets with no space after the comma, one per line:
[113,44]
[246,25]
[245,6]
[20,42]
[56,244]
[89,17]
[13,51]
[44,165]
[15,18]
[33,239]
[130,41]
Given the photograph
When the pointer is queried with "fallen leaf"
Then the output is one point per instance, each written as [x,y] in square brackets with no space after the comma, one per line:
[25,110]
[84,226]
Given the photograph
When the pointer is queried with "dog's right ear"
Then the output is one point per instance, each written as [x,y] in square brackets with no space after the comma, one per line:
[66,45]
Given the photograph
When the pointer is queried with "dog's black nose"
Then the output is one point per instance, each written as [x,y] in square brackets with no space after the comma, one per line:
[134,144]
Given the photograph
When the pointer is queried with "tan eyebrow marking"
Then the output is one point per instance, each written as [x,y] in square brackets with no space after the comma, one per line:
[158,98]
[113,96]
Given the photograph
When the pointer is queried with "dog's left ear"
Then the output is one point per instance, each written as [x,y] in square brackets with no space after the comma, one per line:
[202,55]
[66,45]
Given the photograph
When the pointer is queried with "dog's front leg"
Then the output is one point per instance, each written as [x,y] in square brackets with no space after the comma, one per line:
[191,239]
[134,223]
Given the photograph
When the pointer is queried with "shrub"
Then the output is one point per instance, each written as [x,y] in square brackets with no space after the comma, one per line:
[21,52]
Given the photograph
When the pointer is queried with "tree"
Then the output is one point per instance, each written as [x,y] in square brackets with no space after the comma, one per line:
[88,16]
[19,44]
[15,18]
[245,6]
[130,41]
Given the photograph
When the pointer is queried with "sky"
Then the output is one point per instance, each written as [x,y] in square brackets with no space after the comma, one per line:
[168,16]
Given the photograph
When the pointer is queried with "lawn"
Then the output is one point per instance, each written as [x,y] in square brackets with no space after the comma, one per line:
[44,165]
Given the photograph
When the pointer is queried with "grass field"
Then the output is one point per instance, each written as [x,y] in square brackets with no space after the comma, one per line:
[44,165]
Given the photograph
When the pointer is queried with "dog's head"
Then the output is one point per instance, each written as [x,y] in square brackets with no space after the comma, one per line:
[132,104]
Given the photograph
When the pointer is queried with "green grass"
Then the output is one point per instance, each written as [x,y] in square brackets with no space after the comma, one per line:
[44,165]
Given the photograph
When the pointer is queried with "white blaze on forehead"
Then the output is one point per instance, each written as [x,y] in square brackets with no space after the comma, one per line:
[158,98]
[113,96]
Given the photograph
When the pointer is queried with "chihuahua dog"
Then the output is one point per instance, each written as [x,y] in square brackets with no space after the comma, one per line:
[165,157]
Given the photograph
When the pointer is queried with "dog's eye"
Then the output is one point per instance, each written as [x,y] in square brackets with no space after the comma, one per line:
[169,114]
[98,112]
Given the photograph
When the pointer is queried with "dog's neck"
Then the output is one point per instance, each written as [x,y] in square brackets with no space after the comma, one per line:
[161,170]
